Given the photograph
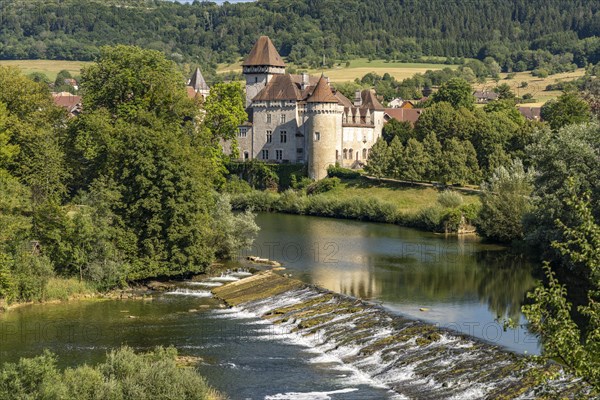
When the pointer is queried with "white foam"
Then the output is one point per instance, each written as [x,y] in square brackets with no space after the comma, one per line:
[308,395]
[225,278]
[206,284]
[190,292]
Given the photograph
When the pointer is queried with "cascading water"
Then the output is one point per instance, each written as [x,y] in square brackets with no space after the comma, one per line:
[413,359]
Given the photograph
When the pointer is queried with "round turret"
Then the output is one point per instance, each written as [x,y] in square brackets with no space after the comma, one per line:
[324,122]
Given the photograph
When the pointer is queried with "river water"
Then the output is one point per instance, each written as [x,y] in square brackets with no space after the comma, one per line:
[460,284]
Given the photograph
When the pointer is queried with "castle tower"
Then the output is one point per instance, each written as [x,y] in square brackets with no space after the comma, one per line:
[324,123]
[199,84]
[259,67]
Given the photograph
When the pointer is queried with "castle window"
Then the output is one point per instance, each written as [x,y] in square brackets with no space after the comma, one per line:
[283,118]
[364,154]
[345,154]
[256,79]
[269,136]
[246,155]
[265,154]
[279,155]
[243,132]
[317,136]
[299,150]
[268,118]
[283,137]
[350,154]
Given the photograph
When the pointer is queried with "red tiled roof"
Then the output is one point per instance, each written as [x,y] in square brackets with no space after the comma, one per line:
[263,53]
[280,87]
[404,114]
[66,100]
[322,93]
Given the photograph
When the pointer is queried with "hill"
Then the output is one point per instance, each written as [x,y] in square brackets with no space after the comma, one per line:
[519,34]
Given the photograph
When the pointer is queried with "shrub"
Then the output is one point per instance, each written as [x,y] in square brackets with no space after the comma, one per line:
[450,199]
[124,375]
[255,200]
[236,185]
[430,218]
[323,186]
[344,173]
[63,289]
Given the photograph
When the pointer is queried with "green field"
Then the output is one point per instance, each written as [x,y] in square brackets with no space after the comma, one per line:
[358,68]
[48,67]
[408,199]
[536,86]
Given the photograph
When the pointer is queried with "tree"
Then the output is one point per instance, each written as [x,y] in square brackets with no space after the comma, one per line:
[550,315]
[460,162]
[504,92]
[225,110]
[434,155]
[457,92]
[401,129]
[416,161]
[136,85]
[379,159]
[571,152]
[397,159]
[568,109]
[505,201]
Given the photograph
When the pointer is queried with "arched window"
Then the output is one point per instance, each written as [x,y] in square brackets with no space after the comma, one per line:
[350,154]
[345,154]
[364,154]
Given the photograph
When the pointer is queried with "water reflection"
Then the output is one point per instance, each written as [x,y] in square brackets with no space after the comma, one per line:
[461,281]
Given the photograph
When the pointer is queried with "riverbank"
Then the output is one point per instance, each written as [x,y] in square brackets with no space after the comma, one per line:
[412,358]
[363,199]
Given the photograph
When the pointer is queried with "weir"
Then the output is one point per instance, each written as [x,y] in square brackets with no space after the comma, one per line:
[412,358]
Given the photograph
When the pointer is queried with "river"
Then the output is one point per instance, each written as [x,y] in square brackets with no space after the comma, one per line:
[461,283]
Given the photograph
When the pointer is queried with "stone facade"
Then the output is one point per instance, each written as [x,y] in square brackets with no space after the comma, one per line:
[301,119]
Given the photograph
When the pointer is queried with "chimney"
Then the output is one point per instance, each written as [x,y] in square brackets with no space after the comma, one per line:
[305,80]
[357,99]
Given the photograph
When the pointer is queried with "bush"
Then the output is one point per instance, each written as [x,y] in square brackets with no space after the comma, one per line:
[344,173]
[430,218]
[235,185]
[124,375]
[450,199]
[323,186]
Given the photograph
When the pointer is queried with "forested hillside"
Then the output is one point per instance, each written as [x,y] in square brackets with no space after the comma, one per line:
[519,34]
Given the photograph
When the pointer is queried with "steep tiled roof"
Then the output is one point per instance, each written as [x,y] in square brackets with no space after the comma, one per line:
[369,100]
[264,53]
[343,100]
[322,93]
[197,81]
[280,87]
[66,100]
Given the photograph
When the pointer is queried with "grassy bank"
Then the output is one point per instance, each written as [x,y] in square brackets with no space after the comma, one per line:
[361,199]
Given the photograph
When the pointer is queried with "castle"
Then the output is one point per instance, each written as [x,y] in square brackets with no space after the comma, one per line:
[301,119]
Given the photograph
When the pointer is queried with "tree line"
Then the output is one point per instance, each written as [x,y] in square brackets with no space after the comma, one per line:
[520,35]
[125,191]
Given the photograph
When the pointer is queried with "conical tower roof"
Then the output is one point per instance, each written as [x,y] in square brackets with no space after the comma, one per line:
[322,93]
[197,81]
[263,53]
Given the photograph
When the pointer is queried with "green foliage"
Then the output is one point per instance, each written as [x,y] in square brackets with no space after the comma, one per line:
[225,110]
[124,374]
[340,172]
[378,159]
[233,232]
[550,313]
[397,128]
[568,109]
[457,92]
[450,199]
[136,85]
[322,186]
[572,152]
[505,201]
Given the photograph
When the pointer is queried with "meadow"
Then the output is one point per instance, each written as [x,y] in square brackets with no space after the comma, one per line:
[48,67]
